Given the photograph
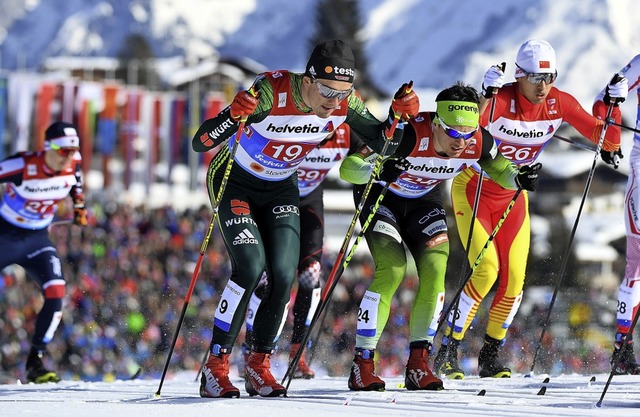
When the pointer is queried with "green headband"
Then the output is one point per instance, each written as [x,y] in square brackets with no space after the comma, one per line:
[458,113]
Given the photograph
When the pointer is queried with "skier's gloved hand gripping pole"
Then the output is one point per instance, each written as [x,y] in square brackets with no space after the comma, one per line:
[611,101]
[405,105]
[242,107]
[493,80]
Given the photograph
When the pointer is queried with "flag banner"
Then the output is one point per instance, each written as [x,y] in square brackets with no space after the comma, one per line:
[21,92]
[107,129]
[107,132]
[145,134]
[177,129]
[195,119]
[3,114]
[89,101]
[129,131]
[46,94]
[68,101]
[164,134]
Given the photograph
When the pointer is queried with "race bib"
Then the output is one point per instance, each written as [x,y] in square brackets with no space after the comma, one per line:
[368,314]
[228,305]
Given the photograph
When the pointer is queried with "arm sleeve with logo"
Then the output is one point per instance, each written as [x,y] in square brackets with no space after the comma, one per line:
[11,169]
[499,168]
[589,126]
[357,168]
[216,130]
[370,129]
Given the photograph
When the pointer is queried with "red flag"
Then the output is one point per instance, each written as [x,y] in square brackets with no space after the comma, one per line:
[214,104]
[46,93]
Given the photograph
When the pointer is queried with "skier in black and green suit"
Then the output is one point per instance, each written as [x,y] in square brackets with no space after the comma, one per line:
[287,115]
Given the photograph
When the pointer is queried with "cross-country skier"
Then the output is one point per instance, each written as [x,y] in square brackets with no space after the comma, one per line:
[629,291]
[34,184]
[526,115]
[435,147]
[312,172]
[288,115]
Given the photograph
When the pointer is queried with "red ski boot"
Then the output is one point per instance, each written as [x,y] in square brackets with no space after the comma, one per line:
[363,377]
[259,380]
[302,370]
[418,376]
[215,382]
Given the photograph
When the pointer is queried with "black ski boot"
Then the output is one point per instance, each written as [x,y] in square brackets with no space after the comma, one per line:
[623,361]
[446,361]
[36,372]
[488,363]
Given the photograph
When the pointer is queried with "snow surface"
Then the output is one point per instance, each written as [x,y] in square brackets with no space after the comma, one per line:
[566,395]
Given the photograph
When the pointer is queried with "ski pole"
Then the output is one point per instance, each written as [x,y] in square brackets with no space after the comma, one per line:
[203,247]
[576,144]
[610,121]
[495,231]
[565,258]
[288,376]
[623,343]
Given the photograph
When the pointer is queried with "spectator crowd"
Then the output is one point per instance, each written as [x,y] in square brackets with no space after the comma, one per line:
[127,276]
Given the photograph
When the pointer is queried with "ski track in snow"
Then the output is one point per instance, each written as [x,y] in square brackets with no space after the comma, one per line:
[566,395]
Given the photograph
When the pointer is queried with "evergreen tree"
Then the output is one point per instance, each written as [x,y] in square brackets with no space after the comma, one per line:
[340,19]
[136,62]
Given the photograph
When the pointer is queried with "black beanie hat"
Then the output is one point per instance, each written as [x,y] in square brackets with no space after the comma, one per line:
[61,135]
[331,60]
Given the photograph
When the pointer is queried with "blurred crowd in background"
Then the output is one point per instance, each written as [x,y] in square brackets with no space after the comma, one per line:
[128,272]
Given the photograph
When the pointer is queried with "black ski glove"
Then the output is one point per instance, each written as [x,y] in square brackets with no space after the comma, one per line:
[527,177]
[612,158]
[392,168]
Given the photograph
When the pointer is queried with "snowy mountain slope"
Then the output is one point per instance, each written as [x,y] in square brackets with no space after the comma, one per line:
[429,41]
[565,395]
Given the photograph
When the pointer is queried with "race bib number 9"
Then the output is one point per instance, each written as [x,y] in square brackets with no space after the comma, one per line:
[228,305]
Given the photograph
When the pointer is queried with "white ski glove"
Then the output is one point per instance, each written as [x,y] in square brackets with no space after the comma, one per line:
[617,89]
[493,80]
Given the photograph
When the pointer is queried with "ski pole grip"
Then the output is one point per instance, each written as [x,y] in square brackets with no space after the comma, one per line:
[502,67]
[616,78]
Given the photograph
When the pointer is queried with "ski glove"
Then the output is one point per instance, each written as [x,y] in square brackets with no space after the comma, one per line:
[617,90]
[527,177]
[493,80]
[80,214]
[405,102]
[243,105]
[612,158]
[392,168]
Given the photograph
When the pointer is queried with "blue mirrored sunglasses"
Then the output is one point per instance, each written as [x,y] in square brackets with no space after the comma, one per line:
[537,78]
[456,134]
[330,93]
